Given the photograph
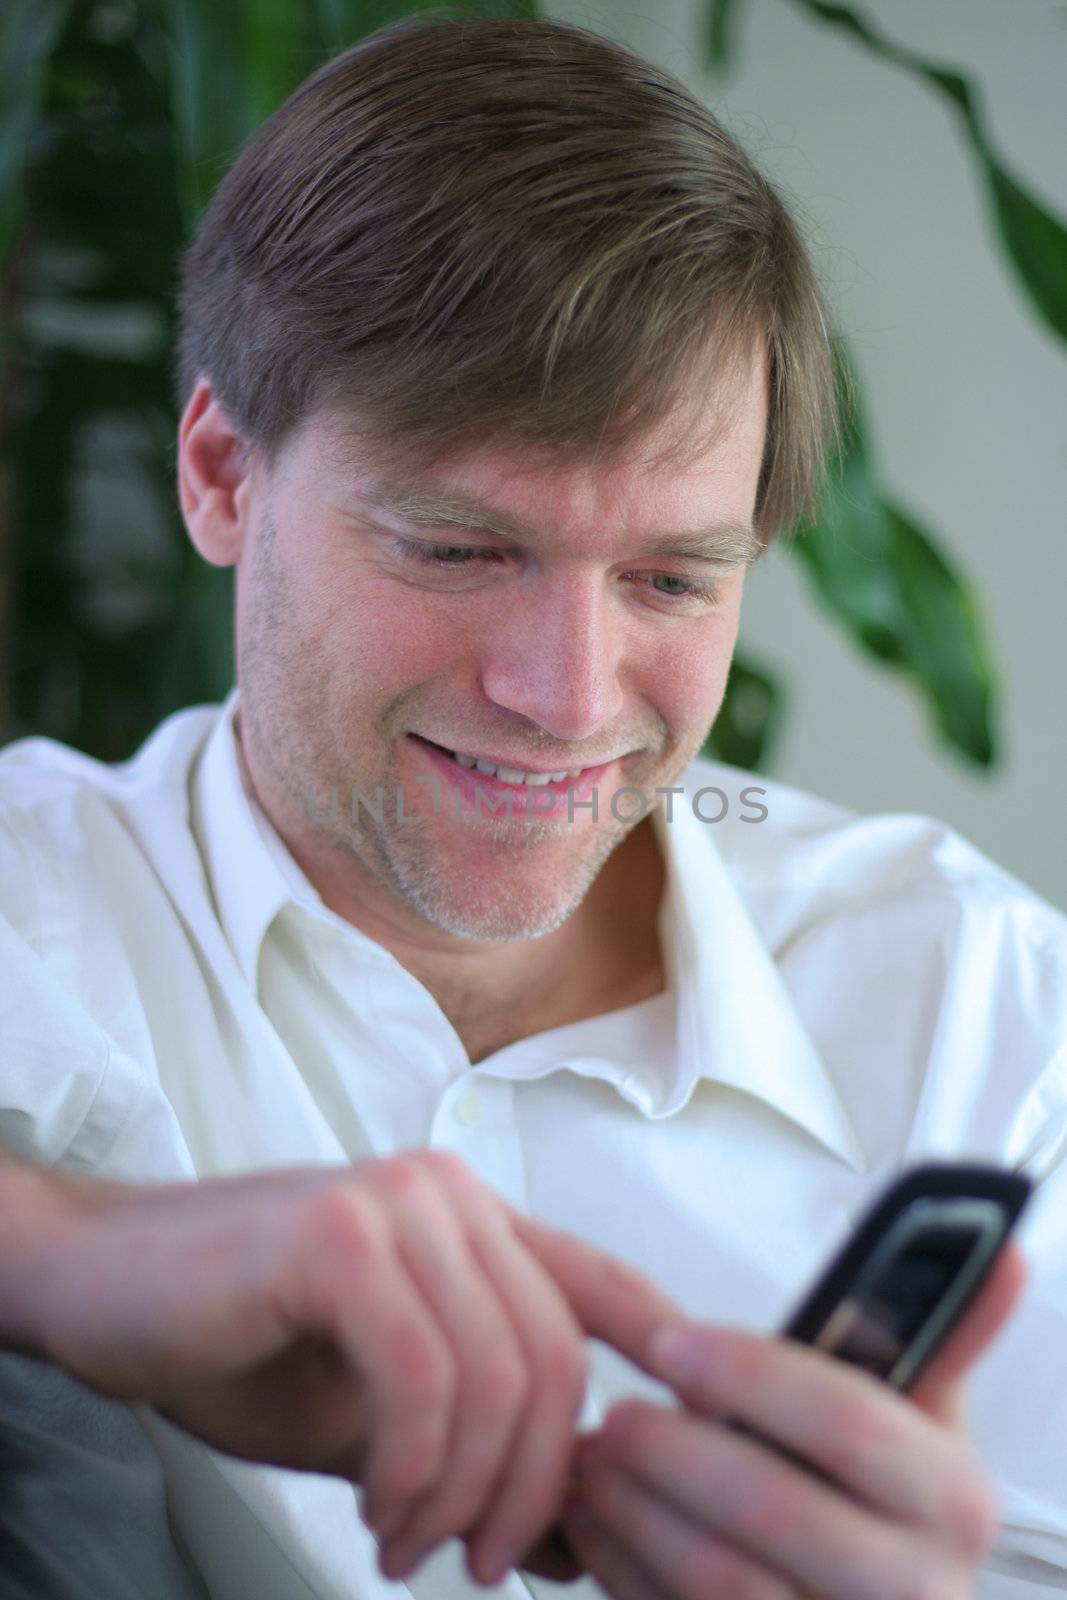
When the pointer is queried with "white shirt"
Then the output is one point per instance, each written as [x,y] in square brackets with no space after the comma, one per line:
[846,995]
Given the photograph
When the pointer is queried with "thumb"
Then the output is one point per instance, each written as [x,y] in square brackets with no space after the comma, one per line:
[940,1390]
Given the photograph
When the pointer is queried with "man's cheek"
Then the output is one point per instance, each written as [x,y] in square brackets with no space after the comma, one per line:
[355,622]
[698,679]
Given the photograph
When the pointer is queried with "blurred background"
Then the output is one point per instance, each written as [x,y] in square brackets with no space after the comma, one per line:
[902,654]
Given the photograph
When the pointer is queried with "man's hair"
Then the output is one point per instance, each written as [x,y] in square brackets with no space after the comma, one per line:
[481,231]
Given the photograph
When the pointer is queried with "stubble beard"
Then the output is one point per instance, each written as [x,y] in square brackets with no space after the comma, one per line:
[511,909]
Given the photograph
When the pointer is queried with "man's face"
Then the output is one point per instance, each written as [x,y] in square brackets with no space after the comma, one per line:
[369,645]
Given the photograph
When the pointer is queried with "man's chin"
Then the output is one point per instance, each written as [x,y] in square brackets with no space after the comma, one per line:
[483,886]
[501,923]
[492,905]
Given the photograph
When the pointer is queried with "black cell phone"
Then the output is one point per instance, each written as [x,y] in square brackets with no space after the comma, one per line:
[892,1295]
[901,1282]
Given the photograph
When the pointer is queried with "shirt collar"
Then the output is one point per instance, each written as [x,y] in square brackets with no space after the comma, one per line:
[735,1021]
[737,1024]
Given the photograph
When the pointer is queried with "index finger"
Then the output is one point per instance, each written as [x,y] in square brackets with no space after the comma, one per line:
[612,1300]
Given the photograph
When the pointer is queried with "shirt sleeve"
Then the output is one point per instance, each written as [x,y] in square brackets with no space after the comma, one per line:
[69,1095]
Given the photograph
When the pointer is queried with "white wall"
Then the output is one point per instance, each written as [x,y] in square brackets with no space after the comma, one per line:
[964,388]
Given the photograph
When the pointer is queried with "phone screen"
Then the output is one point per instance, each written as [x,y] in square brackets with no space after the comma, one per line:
[892,1313]
[905,1293]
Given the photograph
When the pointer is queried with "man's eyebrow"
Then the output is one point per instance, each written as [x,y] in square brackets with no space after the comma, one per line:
[724,543]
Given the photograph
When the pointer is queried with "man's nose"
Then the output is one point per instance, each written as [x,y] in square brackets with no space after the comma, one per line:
[556,656]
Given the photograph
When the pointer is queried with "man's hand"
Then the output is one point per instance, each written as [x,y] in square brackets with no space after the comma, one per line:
[677,1505]
[393,1322]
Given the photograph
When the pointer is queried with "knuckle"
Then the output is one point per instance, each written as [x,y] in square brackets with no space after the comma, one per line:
[406,1177]
[341,1222]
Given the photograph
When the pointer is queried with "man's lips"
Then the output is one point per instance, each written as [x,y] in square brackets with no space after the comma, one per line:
[577,767]
[565,793]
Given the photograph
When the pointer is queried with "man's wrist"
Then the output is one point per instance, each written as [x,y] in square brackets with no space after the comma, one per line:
[39,1211]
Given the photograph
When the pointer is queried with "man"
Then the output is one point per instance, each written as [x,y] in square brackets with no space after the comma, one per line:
[499,366]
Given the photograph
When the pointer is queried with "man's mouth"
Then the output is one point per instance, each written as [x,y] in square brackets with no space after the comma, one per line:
[504,774]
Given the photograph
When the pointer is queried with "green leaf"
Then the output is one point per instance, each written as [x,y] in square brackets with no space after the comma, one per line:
[28,30]
[881,578]
[231,65]
[944,639]
[205,630]
[1035,241]
[277,53]
[749,718]
[94,539]
[721,52]
[212,99]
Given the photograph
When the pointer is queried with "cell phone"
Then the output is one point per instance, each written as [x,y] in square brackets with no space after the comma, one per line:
[902,1281]
[913,1265]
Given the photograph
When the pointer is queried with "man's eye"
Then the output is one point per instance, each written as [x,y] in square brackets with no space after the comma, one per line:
[437,555]
[691,592]
[688,587]
[454,556]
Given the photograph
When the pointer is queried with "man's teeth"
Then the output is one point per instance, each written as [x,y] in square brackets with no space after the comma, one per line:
[512,774]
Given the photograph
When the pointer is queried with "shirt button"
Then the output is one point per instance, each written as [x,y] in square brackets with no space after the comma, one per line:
[469,1109]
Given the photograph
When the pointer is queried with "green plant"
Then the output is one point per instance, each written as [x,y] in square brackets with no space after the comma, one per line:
[116,121]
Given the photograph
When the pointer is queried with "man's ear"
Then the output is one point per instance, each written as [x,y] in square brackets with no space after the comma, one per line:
[214,478]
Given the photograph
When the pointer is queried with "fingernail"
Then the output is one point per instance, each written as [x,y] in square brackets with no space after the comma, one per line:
[677,1353]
